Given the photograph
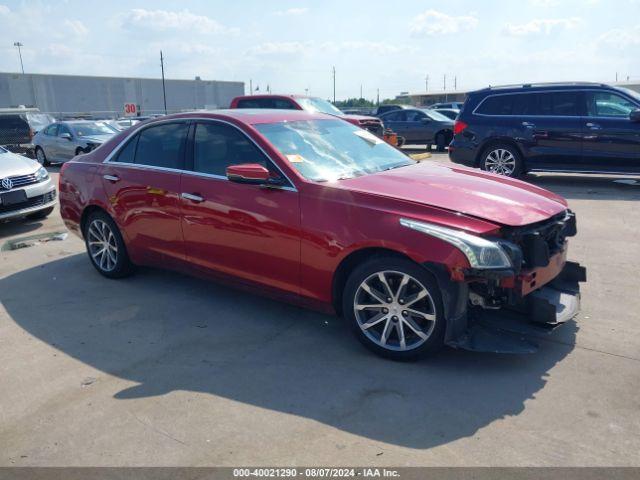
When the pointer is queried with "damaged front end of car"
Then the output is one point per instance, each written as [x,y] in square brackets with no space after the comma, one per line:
[521,290]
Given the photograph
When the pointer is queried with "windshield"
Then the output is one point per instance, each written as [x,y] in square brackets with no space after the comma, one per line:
[39,120]
[315,104]
[92,128]
[433,115]
[329,150]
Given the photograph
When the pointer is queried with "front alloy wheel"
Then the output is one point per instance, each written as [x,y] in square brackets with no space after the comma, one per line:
[395,308]
[502,160]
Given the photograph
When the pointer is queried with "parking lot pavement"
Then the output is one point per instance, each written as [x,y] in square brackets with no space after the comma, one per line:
[162,369]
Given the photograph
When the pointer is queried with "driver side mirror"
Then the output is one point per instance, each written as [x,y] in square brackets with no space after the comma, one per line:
[66,136]
[634,115]
[248,173]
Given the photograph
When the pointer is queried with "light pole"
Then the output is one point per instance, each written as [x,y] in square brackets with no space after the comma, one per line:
[18,44]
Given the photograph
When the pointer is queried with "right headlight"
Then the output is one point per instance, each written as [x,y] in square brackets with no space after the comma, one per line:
[42,174]
[480,252]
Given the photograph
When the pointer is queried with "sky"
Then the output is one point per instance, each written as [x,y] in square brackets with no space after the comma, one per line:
[292,46]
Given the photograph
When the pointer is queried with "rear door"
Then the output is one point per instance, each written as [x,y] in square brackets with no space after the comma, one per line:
[396,121]
[142,182]
[552,124]
[611,139]
[65,147]
[418,127]
[247,231]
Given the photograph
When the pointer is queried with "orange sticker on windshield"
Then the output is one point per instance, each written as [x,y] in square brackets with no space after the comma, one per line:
[295,158]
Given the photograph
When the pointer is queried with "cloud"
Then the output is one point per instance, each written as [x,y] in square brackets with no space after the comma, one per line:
[621,37]
[544,3]
[291,12]
[542,26]
[4,10]
[162,20]
[278,48]
[433,22]
[76,27]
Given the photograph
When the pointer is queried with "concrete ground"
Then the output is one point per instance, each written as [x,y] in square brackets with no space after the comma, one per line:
[160,369]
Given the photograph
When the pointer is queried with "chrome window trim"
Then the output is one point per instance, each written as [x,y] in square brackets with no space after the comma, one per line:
[108,160]
[583,90]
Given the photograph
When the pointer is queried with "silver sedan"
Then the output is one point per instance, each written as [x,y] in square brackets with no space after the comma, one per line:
[61,141]
[26,190]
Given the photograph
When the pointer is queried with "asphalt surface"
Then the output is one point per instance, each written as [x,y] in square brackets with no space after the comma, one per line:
[161,369]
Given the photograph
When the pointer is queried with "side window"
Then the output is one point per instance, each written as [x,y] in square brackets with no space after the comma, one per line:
[566,104]
[248,103]
[52,130]
[396,116]
[128,153]
[63,129]
[414,116]
[523,104]
[216,146]
[283,104]
[496,105]
[605,104]
[162,145]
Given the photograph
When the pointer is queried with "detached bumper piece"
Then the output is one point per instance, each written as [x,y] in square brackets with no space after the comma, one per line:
[514,330]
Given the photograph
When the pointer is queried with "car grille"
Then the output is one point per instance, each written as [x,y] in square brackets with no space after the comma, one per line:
[30,203]
[21,180]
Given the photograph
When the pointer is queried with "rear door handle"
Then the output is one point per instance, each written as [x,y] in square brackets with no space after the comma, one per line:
[594,126]
[111,178]
[192,197]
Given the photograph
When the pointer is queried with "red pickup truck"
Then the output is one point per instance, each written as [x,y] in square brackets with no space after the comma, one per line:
[314,105]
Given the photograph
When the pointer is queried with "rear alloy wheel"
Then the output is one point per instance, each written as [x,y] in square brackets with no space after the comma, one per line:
[502,160]
[395,308]
[441,142]
[106,247]
[41,157]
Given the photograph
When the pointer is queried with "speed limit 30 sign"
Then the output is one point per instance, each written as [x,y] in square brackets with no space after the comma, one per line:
[131,110]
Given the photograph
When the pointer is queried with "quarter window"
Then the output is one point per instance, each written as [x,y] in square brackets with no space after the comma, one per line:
[162,145]
[604,104]
[397,116]
[217,146]
[497,105]
[128,153]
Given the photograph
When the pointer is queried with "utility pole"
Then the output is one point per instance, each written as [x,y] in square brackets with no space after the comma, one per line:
[334,84]
[360,90]
[378,97]
[455,82]
[19,45]
[426,83]
[250,87]
[164,91]
[444,83]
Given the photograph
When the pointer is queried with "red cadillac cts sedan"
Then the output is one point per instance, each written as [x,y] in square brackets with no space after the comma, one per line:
[316,211]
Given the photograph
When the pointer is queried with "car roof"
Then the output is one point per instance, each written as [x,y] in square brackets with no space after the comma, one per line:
[541,87]
[252,116]
[272,95]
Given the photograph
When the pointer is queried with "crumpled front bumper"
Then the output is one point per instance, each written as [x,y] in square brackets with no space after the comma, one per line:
[515,329]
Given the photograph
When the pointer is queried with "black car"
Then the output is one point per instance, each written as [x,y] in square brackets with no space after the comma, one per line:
[561,127]
[388,107]
[18,128]
[419,126]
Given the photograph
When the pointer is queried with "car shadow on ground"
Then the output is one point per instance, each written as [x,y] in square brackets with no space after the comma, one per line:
[589,187]
[21,226]
[170,332]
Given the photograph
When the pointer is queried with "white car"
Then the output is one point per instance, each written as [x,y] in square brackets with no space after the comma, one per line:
[26,190]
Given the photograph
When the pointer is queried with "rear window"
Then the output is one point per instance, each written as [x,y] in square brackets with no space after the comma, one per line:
[277,103]
[564,104]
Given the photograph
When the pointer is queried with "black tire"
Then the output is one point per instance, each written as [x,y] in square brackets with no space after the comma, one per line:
[518,167]
[441,142]
[428,147]
[395,268]
[40,214]
[122,266]
[41,157]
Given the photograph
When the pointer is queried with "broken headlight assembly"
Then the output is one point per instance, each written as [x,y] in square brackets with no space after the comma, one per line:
[481,253]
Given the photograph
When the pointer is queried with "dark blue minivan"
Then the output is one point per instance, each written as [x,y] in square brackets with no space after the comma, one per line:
[560,127]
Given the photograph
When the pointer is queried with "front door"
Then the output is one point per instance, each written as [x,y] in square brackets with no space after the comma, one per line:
[611,139]
[243,230]
[65,147]
[142,182]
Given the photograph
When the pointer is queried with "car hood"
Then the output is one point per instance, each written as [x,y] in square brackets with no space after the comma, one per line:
[358,118]
[96,138]
[500,200]
[12,164]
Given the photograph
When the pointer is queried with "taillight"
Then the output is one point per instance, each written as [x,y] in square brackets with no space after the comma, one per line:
[459,126]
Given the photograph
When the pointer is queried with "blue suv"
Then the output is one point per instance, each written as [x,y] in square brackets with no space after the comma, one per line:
[560,127]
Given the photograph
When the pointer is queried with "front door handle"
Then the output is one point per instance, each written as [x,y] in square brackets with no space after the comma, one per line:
[111,178]
[594,126]
[192,197]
